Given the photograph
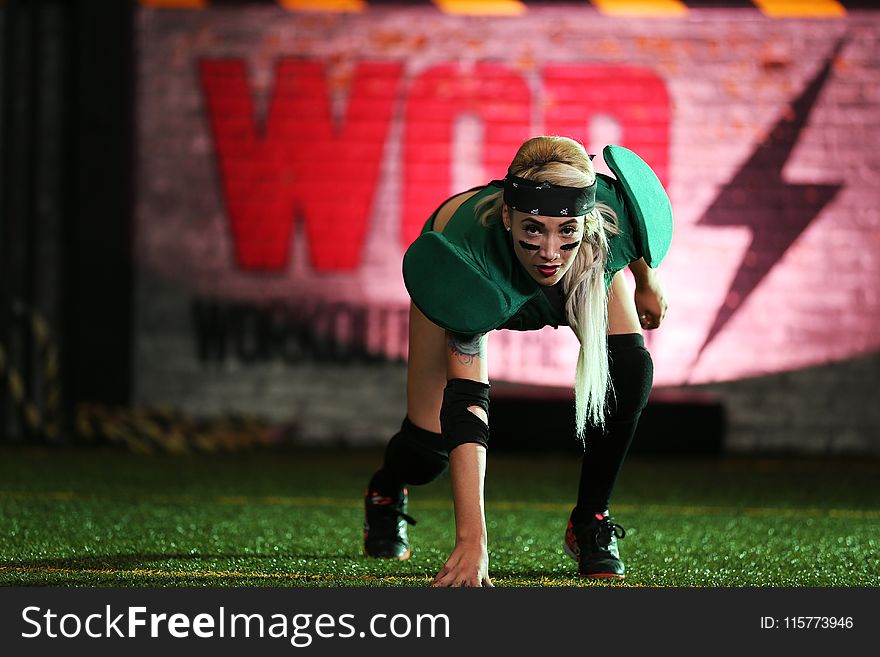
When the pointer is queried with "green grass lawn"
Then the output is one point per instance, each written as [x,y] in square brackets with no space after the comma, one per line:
[104,517]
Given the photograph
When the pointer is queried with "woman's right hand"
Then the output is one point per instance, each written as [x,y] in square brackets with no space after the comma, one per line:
[468,565]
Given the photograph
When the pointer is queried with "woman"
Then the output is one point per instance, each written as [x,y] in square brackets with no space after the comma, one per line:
[545,246]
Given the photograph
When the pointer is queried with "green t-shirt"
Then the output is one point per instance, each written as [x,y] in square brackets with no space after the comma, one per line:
[468,280]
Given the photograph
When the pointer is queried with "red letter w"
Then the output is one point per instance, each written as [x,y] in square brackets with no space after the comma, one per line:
[302,163]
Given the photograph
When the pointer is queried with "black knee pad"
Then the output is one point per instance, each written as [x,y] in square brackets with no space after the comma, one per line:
[458,424]
[415,455]
[632,374]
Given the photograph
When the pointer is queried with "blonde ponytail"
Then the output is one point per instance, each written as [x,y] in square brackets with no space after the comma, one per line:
[586,307]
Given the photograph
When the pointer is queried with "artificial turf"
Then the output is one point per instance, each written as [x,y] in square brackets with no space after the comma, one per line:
[105,517]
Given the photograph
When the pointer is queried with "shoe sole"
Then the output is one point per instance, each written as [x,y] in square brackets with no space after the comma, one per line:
[602,576]
[403,557]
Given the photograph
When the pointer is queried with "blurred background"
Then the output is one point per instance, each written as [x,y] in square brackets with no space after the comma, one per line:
[205,205]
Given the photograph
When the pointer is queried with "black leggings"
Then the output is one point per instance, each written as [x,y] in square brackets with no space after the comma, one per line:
[413,456]
[416,456]
[632,374]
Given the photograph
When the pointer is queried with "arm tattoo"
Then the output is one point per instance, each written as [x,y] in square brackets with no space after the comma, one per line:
[465,347]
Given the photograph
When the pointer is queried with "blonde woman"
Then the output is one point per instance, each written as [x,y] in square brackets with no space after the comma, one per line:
[543,247]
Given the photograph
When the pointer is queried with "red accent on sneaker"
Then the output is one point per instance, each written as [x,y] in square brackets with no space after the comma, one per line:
[602,576]
[377,498]
[571,545]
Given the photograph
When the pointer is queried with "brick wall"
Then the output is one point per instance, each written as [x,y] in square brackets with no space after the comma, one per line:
[761,129]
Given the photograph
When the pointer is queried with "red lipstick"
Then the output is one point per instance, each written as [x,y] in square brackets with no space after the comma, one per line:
[547,270]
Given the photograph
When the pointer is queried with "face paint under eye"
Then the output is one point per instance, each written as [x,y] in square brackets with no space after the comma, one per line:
[529,247]
[569,247]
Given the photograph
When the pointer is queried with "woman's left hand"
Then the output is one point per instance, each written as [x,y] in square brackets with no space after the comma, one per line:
[650,300]
[468,565]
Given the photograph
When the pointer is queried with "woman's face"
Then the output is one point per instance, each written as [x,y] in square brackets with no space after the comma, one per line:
[545,246]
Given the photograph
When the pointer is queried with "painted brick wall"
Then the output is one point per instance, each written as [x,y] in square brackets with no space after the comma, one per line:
[762,130]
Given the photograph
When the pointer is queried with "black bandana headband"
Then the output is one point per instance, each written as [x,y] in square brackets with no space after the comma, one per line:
[547,199]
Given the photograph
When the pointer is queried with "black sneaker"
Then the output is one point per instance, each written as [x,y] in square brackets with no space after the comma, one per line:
[385,520]
[594,546]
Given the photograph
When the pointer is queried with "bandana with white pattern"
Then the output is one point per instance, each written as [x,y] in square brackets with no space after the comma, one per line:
[547,199]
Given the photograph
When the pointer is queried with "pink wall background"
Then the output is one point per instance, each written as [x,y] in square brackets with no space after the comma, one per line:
[290,156]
